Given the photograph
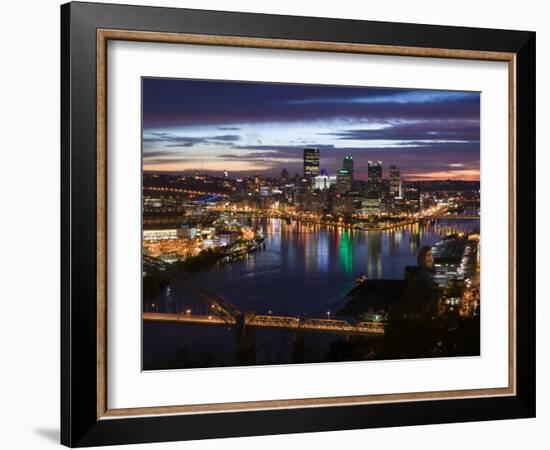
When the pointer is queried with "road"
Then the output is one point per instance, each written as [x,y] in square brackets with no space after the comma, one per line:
[341,327]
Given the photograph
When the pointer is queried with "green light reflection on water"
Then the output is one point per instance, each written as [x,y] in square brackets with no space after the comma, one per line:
[346,251]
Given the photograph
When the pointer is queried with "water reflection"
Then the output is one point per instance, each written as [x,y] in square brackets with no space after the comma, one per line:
[374,254]
[394,240]
[346,251]
[414,237]
[322,254]
[305,270]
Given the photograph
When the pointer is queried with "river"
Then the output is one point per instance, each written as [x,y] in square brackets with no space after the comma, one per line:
[305,270]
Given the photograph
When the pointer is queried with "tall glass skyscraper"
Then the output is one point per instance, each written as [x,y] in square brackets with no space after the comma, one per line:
[395,182]
[374,173]
[343,181]
[348,165]
[311,163]
[345,176]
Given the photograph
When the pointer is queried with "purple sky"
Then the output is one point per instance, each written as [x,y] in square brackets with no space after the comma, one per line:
[250,128]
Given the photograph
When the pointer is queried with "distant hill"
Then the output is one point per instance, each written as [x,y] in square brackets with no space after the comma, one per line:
[444,185]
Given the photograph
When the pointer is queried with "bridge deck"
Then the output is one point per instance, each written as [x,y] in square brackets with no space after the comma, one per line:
[451,216]
[275,323]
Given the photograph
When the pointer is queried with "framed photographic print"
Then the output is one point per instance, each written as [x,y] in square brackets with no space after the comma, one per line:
[276,224]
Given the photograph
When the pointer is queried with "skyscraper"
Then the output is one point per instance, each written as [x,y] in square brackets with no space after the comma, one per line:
[284,176]
[395,182]
[343,181]
[311,162]
[322,181]
[374,173]
[344,178]
[348,165]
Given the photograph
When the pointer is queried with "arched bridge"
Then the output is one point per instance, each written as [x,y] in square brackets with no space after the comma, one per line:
[224,313]
[222,307]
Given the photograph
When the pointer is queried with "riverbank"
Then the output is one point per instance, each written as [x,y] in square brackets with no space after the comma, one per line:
[209,257]
[354,224]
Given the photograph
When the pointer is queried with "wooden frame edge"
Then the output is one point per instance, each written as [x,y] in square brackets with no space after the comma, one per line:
[119,413]
[512,199]
[101,191]
[103,36]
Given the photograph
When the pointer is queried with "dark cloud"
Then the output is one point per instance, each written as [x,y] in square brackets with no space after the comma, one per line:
[173,141]
[422,131]
[166,160]
[192,102]
[149,154]
[282,149]
[225,138]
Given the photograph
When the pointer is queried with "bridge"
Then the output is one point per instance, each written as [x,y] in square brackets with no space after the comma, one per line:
[176,190]
[244,325]
[223,308]
[451,216]
[338,327]
[224,313]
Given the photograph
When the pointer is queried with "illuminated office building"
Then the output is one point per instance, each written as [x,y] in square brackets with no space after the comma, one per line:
[343,181]
[348,165]
[374,174]
[311,163]
[396,189]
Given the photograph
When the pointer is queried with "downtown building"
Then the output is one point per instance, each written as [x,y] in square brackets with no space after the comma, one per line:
[396,186]
[311,163]
[323,181]
[344,179]
[374,176]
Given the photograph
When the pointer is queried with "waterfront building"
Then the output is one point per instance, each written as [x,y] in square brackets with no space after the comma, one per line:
[315,203]
[187,232]
[447,256]
[412,198]
[207,243]
[152,203]
[161,234]
[227,237]
[371,206]
[300,195]
[341,205]
[311,163]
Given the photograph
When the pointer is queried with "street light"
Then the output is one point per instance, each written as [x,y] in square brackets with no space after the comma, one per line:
[328,315]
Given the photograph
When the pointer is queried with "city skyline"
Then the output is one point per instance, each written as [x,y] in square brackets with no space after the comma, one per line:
[250,128]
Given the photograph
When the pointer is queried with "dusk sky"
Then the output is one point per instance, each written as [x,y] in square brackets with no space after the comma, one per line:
[250,128]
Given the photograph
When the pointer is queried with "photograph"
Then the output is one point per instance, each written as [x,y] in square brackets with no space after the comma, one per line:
[305,223]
